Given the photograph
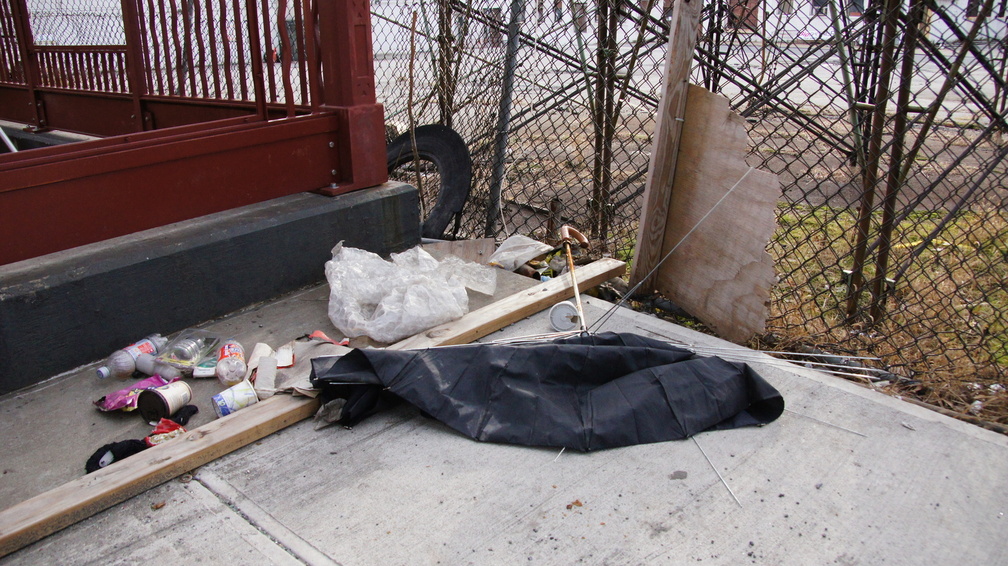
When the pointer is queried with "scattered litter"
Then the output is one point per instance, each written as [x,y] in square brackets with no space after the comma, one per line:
[165,430]
[319,335]
[158,505]
[907,425]
[113,452]
[183,415]
[259,351]
[157,403]
[564,317]
[329,413]
[976,406]
[234,398]
[230,369]
[265,378]
[575,503]
[126,398]
[288,369]
[206,367]
[516,250]
[147,364]
[122,363]
[285,355]
[189,348]
[479,278]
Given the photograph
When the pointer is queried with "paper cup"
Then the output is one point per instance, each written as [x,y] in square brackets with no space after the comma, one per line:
[234,398]
[161,402]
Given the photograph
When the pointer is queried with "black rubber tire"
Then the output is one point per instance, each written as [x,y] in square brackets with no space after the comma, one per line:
[447,150]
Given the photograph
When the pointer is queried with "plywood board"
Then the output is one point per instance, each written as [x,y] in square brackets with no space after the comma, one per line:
[721,272]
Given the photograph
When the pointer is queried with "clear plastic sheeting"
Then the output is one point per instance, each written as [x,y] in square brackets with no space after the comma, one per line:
[479,278]
[391,300]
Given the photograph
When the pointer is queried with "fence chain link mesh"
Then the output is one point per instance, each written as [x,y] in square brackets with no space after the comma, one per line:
[892,230]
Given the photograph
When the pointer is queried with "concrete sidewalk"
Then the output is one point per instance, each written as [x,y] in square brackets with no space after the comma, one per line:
[846,476]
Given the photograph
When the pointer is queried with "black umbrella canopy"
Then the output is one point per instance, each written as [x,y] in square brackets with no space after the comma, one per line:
[585,392]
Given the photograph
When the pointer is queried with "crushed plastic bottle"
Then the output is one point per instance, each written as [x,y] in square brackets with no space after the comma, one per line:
[231,365]
[148,364]
[122,363]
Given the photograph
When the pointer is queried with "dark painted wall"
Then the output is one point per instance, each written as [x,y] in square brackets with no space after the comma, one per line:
[74,307]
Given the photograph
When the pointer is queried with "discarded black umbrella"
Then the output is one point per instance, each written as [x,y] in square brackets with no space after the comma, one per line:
[585,392]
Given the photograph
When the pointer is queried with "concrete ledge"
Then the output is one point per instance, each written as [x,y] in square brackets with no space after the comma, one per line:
[74,307]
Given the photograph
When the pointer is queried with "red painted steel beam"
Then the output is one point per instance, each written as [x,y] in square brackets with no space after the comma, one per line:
[58,201]
[348,89]
[239,153]
[16,104]
[109,114]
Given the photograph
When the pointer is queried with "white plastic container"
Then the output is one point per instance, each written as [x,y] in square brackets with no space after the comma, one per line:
[231,365]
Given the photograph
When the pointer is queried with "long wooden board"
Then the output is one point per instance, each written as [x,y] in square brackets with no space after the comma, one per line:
[511,309]
[40,516]
[665,145]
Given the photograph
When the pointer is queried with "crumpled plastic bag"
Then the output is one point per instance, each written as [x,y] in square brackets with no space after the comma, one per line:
[479,278]
[516,250]
[389,301]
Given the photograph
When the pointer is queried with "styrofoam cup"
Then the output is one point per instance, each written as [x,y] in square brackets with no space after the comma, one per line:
[234,398]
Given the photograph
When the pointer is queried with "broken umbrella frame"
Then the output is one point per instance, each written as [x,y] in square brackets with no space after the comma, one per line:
[586,392]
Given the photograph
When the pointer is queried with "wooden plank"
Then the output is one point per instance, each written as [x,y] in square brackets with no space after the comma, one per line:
[497,315]
[665,142]
[721,273]
[74,501]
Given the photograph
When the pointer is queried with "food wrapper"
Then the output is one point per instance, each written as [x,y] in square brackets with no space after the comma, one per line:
[126,398]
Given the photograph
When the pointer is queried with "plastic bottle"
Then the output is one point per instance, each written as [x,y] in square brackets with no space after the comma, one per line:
[122,363]
[231,363]
[148,364]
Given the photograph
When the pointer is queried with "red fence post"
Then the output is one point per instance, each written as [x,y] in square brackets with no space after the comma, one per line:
[135,61]
[347,64]
[255,47]
[29,59]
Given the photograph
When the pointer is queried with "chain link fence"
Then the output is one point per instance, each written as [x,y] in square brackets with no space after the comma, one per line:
[886,131]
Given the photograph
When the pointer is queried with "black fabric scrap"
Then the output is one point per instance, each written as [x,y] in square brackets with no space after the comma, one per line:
[183,415]
[116,450]
[585,393]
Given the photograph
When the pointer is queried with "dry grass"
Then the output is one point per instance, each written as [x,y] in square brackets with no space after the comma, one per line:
[945,328]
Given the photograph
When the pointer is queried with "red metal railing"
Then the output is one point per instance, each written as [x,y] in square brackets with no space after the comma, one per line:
[228,57]
[97,68]
[11,70]
[209,105]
